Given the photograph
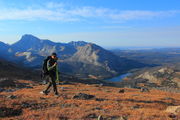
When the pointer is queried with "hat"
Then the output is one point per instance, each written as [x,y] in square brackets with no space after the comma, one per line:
[54,54]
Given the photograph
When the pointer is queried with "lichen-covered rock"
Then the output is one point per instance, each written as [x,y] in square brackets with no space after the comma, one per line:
[83,96]
[173,109]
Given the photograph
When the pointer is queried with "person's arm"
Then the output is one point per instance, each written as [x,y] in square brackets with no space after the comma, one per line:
[50,67]
[57,73]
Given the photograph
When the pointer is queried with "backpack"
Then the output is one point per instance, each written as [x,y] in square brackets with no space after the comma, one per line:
[44,67]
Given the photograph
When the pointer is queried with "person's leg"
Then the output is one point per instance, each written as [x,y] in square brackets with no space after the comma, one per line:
[45,79]
[53,78]
[50,84]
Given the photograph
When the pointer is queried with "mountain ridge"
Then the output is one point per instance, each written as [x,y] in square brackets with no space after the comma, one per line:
[75,57]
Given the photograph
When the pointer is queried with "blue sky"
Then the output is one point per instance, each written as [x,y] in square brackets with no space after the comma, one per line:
[104,22]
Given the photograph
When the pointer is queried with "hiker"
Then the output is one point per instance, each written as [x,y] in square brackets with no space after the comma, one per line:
[51,70]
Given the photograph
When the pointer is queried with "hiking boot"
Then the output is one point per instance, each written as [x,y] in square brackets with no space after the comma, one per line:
[44,92]
[57,95]
[58,84]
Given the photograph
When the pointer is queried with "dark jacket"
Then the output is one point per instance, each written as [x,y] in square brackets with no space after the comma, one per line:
[52,67]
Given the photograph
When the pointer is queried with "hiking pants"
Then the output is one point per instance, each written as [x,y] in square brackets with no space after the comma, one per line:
[52,82]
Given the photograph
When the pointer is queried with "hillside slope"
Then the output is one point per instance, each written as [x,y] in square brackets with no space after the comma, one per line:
[107,103]
[9,70]
[163,77]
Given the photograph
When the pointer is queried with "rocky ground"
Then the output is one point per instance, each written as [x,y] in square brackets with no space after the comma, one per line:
[79,101]
[162,78]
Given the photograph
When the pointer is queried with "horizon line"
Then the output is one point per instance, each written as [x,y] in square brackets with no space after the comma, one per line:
[104,46]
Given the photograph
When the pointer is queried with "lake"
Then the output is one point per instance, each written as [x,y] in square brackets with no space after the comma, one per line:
[119,78]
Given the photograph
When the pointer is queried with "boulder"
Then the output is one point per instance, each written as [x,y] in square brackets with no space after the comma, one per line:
[144,89]
[121,91]
[12,96]
[173,109]
[83,96]
[91,116]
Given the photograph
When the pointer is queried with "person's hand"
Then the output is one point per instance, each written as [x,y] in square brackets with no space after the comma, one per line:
[55,63]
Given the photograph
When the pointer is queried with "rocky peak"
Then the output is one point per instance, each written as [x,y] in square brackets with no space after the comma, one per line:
[29,39]
[26,42]
[3,45]
[78,43]
[166,70]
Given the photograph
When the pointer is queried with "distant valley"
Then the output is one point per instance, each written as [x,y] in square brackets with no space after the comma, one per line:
[165,73]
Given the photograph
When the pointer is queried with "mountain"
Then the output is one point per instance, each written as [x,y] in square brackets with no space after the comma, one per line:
[78,58]
[26,43]
[165,78]
[30,43]
[3,49]
[3,46]
[78,43]
[100,62]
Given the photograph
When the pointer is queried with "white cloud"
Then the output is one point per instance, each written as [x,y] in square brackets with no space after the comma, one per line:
[32,14]
[137,14]
[60,12]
